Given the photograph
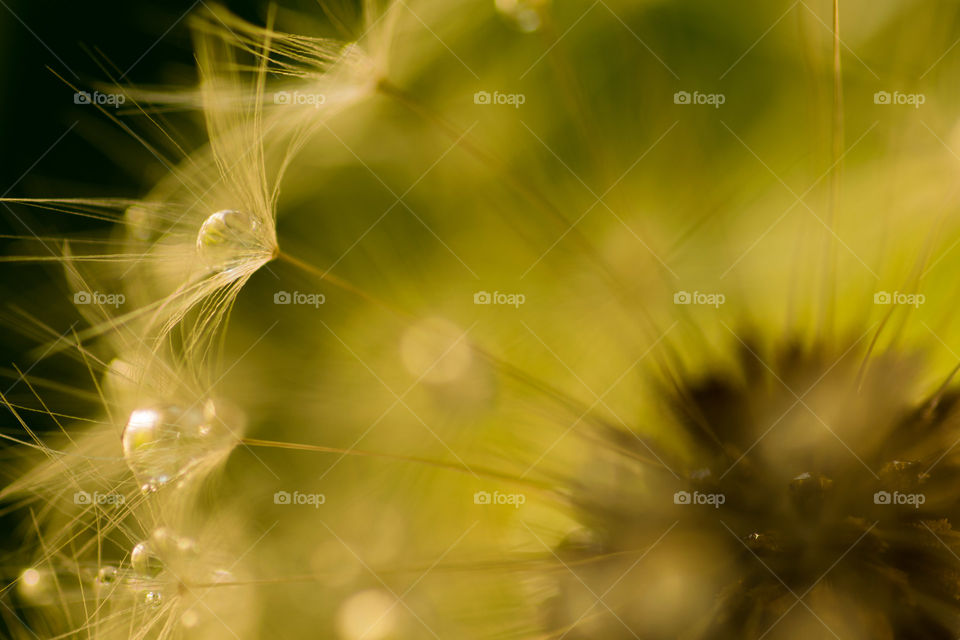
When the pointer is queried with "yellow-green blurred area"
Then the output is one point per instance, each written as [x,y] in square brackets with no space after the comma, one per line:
[547,221]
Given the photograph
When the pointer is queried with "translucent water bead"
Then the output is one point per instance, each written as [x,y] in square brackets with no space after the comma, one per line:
[228,238]
[526,15]
[106,577]
[147,560]
[164,443]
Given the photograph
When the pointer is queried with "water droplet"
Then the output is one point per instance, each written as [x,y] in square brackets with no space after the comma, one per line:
[526,15]
[153,598]
[229,238]
[144,560]
[163,443]
[106,577]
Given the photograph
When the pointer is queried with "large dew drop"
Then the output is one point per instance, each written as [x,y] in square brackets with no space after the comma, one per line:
[229,238]
[164,443]
[145,561]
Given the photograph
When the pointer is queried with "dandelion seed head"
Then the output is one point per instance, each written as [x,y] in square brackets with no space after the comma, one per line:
[770,493]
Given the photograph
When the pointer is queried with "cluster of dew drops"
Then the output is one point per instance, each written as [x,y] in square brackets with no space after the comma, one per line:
[165,444]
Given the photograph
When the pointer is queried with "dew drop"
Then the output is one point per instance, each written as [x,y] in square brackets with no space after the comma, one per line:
[163,443]
[144,560]
[229,238]
[153,598]
[106,577]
